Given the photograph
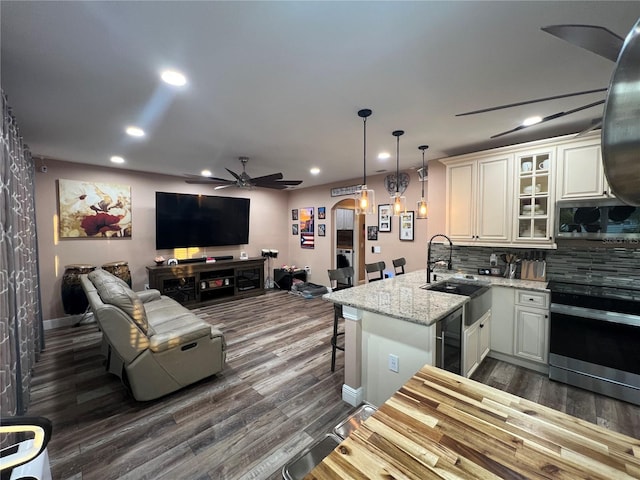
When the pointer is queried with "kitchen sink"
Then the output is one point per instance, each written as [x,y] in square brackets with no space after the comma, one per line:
[459,288]
[479,296]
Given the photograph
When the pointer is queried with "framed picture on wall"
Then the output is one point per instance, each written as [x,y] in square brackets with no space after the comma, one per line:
[406,226]
[322,230]
[93,209]
[321,213]
[294,214]
[372,232]
[384,218]
[294,229]
[307,228]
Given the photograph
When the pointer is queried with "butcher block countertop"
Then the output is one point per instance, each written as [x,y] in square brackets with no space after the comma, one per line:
[441,425]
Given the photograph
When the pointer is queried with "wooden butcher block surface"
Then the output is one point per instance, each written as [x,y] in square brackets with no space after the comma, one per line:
[441,425]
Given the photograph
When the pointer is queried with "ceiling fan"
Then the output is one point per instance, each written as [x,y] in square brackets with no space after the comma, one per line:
[596,39]
[243,180]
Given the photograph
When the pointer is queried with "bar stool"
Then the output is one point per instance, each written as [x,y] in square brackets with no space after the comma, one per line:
[398,265]
[375,268]
[343,278]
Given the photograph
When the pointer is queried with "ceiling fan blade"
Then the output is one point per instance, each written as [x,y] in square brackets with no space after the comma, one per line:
[210,181]
[236,176]
[528,102]
[550,117]
[220,187]
[275,186]
[598,40]
[596,124]
[268,178]
[289,183]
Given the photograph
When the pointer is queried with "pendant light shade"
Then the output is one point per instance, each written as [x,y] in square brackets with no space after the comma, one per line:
[422,203]
[399,201]
[365,198]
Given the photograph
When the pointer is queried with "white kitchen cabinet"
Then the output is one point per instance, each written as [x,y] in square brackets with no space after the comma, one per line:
[475,344]
[534,198]
[580,171]
[344,219]
[532,325]
[502,318]
[479,193]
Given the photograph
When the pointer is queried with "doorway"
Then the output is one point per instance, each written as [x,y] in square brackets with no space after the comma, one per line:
[348,238]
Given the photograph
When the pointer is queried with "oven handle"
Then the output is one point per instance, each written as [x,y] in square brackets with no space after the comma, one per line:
[612,317]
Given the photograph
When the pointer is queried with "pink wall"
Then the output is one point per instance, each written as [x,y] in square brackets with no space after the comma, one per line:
[320,259]
[267,229]
[270,226]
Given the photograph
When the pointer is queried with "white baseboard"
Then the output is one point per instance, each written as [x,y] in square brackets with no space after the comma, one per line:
[352,396]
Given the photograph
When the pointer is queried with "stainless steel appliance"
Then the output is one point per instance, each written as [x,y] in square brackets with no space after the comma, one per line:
[449,342]
[449,329]
[594,338]
[597,220]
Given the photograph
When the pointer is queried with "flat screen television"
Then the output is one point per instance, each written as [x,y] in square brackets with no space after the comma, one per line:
[187,220]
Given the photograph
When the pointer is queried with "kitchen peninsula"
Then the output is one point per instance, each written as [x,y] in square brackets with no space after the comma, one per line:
[394,319]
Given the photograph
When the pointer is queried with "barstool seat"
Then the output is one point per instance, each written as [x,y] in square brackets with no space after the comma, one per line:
[343,278]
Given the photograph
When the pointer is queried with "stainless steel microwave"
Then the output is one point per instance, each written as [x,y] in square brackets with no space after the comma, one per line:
[597,220]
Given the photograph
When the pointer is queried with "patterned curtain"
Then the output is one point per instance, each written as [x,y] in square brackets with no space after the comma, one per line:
[21,328]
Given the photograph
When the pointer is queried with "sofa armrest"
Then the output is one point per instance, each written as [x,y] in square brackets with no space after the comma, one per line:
[148,295]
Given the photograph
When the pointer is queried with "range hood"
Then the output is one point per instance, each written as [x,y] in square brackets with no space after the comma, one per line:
[621,123]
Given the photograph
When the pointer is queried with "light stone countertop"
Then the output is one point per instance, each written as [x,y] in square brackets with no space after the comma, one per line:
[401,297]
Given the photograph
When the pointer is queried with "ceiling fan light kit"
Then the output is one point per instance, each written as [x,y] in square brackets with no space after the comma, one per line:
[421,207]
[399,200]
[365,198]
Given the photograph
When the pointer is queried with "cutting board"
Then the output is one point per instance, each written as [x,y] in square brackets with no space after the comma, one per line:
[535,270]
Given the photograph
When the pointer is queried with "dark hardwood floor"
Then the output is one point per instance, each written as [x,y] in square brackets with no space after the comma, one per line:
[275,396]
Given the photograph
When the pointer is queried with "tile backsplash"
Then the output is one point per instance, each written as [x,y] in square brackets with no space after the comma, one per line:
[609,266]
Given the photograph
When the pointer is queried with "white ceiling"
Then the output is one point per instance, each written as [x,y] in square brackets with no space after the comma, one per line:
[281,82]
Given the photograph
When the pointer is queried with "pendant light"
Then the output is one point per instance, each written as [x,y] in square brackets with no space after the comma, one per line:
[399,201]
[422,203]
[365,198]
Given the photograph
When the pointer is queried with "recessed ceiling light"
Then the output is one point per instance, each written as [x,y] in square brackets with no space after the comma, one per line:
[314,171]
[531,121]
[384,155]
[205,173]
[117,159]
[135,131]
[173,77]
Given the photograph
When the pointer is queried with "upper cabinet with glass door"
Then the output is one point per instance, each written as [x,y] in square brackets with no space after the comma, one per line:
[534,199]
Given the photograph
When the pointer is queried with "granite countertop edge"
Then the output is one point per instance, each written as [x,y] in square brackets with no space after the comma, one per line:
[425,307]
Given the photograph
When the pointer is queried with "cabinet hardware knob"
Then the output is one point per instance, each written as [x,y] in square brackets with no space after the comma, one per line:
[481,325]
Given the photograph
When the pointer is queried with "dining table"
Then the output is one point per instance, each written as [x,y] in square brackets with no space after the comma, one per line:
[443,426]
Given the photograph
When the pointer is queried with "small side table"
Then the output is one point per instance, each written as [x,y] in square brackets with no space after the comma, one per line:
[283,279]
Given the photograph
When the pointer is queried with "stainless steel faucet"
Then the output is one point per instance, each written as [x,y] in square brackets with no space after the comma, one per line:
[431,263]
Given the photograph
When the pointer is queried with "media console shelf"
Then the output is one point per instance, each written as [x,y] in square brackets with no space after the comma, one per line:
[197,284]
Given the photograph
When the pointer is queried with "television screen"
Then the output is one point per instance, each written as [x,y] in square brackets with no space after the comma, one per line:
[186,220]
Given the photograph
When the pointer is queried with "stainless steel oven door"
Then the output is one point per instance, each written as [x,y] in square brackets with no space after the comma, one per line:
[596,350]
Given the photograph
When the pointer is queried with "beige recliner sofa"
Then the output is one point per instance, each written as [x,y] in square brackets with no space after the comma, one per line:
[154,344]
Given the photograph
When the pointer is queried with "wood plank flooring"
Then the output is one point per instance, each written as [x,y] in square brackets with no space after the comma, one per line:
[275,396]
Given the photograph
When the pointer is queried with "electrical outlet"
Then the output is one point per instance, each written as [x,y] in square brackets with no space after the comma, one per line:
[393,362]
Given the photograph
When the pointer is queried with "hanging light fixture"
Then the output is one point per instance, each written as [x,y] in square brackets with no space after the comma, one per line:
[365,199]
[422,203]
[399,201]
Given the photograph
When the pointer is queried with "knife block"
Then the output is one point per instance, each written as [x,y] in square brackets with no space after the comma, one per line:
[533,270]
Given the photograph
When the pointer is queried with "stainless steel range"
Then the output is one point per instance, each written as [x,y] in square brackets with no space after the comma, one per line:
[594,339]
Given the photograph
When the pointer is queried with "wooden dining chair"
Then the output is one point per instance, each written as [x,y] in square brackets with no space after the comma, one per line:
[398,266]
[375,271]
[342,278]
